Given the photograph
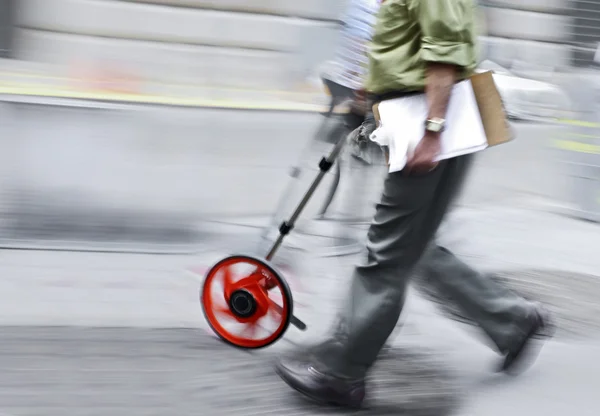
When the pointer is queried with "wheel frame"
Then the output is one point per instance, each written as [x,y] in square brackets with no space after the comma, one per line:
[282,284]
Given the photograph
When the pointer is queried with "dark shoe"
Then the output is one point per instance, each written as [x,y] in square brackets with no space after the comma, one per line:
[305,379]
[524,354]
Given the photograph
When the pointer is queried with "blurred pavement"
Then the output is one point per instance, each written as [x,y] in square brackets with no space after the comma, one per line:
[153,178]
[183,370]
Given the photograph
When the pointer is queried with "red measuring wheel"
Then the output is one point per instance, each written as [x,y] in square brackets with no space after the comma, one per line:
[246,302]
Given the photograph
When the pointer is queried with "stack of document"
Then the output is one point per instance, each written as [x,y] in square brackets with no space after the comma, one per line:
[402,126]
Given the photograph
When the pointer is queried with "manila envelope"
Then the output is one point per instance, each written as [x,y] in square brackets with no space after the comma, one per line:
[491,109]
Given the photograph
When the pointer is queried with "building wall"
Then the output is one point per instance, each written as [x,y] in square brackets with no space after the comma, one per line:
[556,34]
[528,32]
[5,27]
[258,43]
[268,43]
[586,21]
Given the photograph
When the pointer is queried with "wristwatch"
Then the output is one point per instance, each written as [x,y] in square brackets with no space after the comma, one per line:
[435,125]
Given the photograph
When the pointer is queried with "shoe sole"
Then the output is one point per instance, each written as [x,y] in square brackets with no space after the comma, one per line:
[529,350]
[311,397]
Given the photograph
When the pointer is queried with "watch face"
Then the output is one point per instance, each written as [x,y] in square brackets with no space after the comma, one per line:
[435,125]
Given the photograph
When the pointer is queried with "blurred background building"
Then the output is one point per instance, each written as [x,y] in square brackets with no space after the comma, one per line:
[138,45]
[241,42]
[230,42]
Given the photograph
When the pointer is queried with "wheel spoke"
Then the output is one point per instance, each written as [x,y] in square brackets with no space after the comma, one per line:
[222,309]
[275,315]
[255,271]
[250,331]
[227,279]
[274,307]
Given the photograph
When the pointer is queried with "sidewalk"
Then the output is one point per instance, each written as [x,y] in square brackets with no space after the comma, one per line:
[19,78]
[142,370]
[41,288]
[82,371]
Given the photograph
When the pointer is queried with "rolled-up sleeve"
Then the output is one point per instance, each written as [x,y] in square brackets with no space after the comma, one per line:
[447,31]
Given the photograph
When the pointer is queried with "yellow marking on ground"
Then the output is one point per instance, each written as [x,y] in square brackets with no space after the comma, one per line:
[579,123]
[54,92]
[324,89]
[583,136]
[578,147]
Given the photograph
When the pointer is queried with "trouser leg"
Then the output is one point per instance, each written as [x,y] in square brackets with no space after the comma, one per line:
[496,309]
[406,219]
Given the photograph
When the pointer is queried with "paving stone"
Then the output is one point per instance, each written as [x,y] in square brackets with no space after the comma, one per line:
[90,371]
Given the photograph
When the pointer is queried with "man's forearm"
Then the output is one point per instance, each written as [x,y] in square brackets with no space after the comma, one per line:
[440,79]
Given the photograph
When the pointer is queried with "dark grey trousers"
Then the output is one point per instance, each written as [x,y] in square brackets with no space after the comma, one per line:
[400,236]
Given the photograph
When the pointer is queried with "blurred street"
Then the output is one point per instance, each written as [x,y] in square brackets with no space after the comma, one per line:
[92,333]
[88,333]
[174,172]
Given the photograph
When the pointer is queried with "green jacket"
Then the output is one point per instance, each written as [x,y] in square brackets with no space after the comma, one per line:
[410,33]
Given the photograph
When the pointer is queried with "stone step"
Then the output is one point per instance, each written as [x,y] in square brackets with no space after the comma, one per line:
[545,6]
[125,20]
[527,25]
[312,9]
[157,61]
[506,52]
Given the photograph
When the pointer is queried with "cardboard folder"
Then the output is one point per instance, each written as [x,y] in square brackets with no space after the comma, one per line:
[491,109]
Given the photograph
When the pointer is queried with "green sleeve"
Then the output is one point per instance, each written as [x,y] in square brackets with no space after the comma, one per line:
[447,28]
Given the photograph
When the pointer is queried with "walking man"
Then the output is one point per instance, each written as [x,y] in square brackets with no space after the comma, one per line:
[417,46]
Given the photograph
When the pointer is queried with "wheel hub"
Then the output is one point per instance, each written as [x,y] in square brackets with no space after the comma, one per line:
[242,303]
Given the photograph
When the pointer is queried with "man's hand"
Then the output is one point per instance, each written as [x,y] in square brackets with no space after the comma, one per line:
[423,160]
[439,80]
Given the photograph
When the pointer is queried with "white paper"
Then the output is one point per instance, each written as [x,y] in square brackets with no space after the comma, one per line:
[402,126]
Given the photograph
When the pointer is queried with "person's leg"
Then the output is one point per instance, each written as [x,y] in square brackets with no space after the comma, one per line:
[492,306]
[406,219]
[507,318]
